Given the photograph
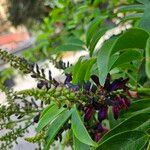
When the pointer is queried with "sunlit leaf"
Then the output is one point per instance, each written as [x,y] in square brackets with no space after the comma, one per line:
[79,129]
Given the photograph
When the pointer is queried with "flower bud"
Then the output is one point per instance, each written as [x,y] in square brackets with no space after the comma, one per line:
[116,112]
[102,114]
[88,113]
[97,137]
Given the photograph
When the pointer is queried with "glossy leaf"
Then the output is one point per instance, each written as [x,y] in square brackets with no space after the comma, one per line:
[135,7]
[78,145]
[139,121]
[74,40]
[95,39]
[79,129]
[103,60]
[133,38]
[49,116]
[88,69]
[55,126]
[145,21]
[45,110]
[143,1]
[127,56]
[76,70]
[131,17]
[93,27]
[147,58]
[69,47]
[125,141]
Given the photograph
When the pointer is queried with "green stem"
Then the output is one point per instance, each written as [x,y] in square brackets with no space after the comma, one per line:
[143,90]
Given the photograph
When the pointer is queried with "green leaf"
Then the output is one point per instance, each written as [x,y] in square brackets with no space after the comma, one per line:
[95,39]
[131,17]
[74,40]
[139,121]
[55,126]
[69,47]
[135,7]
[145,21]
[79,129]
[133,38]
[88,69]
[147,58]
[83,73]
[45,110]
[112,121]
[93,27]
[138,106]
[130,140]
[49,116]
[103,60]
[143,1]
[76,70]
[127,56]
[78,145]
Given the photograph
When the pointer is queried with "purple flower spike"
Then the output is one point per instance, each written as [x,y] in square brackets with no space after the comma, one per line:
[116,112]
[88,113]
[97,137]
[95,79]
[102,114]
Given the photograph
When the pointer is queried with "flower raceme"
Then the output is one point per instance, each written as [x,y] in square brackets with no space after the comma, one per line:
[95,109]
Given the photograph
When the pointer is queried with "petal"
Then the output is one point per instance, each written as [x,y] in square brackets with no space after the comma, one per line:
[116,112]
[96,104]
[88,113]
[102,114]
[118,84]
[127,101]
[87,86]
[107,82]
[95,79]
[121,102]
[68,78]
[97,137]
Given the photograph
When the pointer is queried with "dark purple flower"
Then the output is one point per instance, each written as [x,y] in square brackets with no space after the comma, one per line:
[88,113]
[87,86]
[118,84]
[127,102]
[68,78]
[95,79]
[102,114]
[121,102]
[101,128]
[116,112]
[97,137]
[107,82]
[95,103]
